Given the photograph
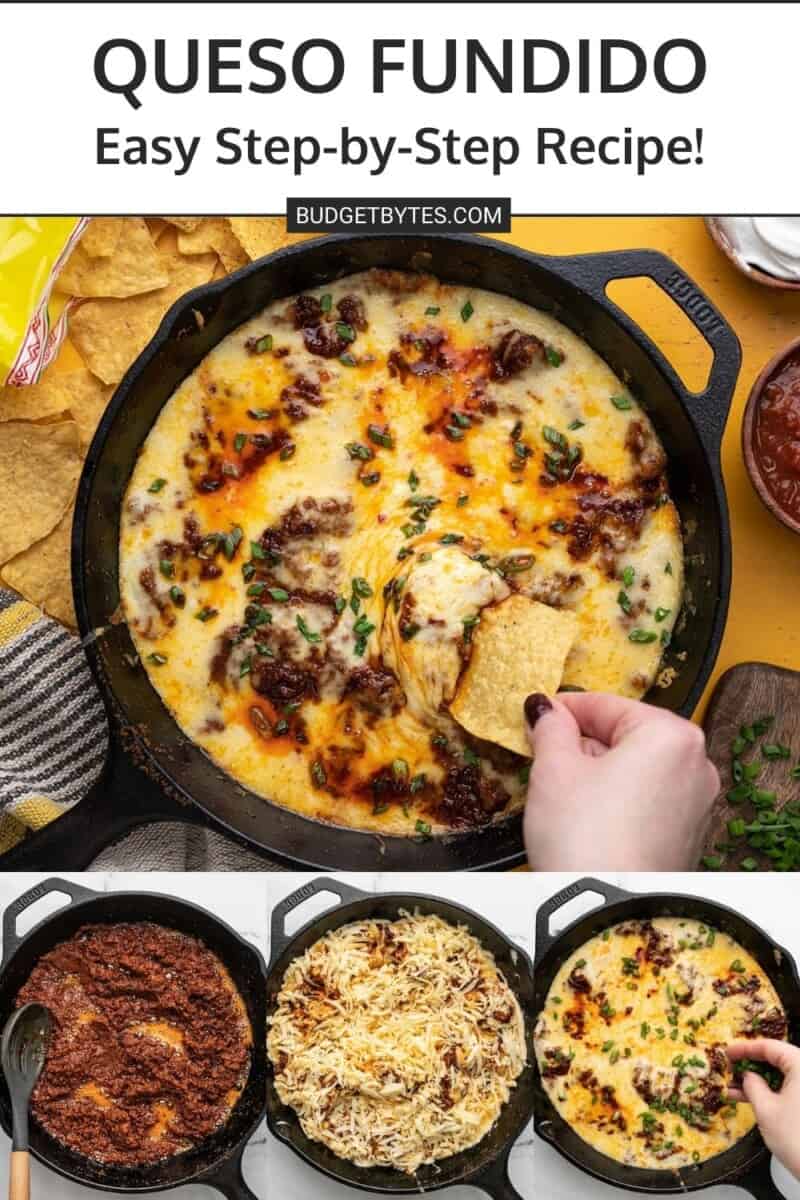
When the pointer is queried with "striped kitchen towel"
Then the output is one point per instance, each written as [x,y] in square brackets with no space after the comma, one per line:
[53,738]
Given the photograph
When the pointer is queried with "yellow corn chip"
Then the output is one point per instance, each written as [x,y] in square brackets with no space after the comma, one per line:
[214,233]
[101,236]
[157,226]
[262,235]
[42,573]
[134,267]
[110,334]
[187,224]
[36,402]
[519,647]
[39,468]
[75,392]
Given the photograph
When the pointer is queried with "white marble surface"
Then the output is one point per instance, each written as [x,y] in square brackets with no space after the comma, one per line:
[510,901]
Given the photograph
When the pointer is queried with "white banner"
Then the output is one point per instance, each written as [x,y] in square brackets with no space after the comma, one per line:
[570,108]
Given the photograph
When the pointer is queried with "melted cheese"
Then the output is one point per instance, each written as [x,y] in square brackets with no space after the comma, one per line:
[486,478]
[397,1043]
[655,1035]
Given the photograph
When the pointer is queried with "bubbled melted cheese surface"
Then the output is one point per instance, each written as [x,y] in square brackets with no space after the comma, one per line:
[261,494]
[631,1041]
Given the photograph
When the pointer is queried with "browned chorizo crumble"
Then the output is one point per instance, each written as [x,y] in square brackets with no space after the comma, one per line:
[116,1087]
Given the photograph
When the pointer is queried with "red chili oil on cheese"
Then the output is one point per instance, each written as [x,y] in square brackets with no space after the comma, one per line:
[151,1043]
[776,436]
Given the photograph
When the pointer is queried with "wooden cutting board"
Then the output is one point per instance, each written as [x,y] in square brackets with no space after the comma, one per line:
[743,695]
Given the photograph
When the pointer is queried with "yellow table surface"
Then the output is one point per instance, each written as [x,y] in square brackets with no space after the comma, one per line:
[764,617]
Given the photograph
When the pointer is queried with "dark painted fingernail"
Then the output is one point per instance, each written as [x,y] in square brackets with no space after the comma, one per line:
[535,707]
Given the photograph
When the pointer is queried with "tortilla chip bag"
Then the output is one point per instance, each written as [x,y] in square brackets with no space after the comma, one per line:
[33,322]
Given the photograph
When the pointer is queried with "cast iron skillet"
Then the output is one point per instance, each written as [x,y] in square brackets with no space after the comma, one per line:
[747,1163]
[484,1166]
[217,1161]
[573,289]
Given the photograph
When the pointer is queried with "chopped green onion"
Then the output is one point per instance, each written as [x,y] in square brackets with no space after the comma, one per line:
[307,633]
[381,437]
[358,450]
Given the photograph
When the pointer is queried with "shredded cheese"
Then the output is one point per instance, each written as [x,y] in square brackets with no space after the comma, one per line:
[397,1043]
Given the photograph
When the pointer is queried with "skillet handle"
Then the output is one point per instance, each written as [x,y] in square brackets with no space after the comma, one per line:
[75,891]
[279,938]
[228,1179]
[709,408]
[121,799]
[544,938]
[759,1183]
[495,1180]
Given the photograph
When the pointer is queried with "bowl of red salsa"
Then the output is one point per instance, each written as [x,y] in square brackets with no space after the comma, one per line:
[771,435]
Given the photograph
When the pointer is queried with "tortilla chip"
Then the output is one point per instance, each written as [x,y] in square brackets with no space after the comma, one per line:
[75,392]
[214,233]
[37,402]
[520,647]
[133,268]
[261,235]
[39,468]
[110,334]
[101,236]
[187,224]
[42,573]
[157,226]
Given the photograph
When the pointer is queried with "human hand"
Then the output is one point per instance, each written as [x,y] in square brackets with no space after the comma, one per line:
[616,785]
[777,1113]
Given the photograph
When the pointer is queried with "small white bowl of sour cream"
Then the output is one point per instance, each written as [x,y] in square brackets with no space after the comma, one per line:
[766,249]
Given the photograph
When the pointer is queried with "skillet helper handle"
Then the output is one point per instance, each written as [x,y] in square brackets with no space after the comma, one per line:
[19,1175]
[495,1180]
[75,892]
[544,938]
[122,798]
[759,1182]
[709,408]
[228,1179]
[279,938]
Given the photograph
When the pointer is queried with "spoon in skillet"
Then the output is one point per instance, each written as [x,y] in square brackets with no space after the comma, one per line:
[22,1053]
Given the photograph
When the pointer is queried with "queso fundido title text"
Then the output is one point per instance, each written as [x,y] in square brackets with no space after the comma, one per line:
[525,69]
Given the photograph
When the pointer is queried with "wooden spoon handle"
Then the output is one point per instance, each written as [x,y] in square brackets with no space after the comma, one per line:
[19,1182]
